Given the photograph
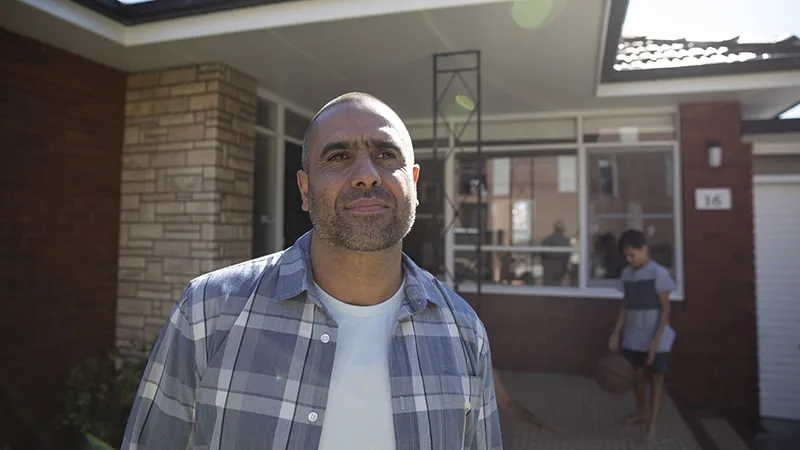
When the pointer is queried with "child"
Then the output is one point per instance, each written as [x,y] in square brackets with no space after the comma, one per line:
[643,322]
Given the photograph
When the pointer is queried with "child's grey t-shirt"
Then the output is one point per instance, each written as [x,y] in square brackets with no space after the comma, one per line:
[641,289]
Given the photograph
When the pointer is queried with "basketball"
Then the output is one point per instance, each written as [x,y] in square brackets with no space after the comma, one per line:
[614,374]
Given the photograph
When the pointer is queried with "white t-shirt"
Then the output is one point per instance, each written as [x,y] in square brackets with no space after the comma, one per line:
[359,411]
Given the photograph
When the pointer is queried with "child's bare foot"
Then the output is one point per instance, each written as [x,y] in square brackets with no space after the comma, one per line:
[635,419]
[650,434]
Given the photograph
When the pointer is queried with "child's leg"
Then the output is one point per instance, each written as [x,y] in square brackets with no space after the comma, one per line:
[639,385]
[637,359]
[656,388]
[657,372]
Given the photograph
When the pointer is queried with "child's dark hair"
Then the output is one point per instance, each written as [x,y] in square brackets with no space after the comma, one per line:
[632,239]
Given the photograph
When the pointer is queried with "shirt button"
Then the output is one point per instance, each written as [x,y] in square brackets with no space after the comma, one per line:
[325,338]
[467,405]
[312,417]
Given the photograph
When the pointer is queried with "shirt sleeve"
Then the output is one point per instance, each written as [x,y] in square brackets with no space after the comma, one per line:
[163,410]
[664,282]
[488,436]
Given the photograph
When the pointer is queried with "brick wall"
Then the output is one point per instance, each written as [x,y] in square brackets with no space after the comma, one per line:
[186,187]
[60,157]
[717,329]
[715,361]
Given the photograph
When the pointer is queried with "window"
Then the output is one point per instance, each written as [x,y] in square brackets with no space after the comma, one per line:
[265,208]
[606,176]
[536,235]
[530,224]
[641,202]
[424,244]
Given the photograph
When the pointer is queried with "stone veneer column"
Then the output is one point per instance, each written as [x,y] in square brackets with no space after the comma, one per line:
[187,182]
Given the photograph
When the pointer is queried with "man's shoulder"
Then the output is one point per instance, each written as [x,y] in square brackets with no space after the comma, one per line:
[458,303]
[463,313]
[234,281]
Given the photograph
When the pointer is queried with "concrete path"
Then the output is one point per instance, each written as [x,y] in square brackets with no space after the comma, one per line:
[587,417]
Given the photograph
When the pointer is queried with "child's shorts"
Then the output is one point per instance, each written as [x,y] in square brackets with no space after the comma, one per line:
[638,359]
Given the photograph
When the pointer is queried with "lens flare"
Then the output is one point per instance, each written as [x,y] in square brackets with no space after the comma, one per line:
[531,13]
[465,102]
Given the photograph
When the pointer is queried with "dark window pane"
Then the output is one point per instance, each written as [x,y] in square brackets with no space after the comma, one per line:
[265,114]
[630,181]
[606,260]
[295,125]
[425,242]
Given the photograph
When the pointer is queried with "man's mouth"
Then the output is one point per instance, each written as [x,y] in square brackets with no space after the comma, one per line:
[366,205]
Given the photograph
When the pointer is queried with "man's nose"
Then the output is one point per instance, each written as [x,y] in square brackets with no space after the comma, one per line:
[366,175]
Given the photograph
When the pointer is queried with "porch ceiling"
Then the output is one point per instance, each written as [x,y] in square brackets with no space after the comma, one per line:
[550,67]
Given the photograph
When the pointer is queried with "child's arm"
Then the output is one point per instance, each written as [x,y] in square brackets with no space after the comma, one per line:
[663,318]
[613,341]
[664,285]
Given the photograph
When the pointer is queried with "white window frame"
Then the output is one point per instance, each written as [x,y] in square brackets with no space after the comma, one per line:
[277,172]
[583,289]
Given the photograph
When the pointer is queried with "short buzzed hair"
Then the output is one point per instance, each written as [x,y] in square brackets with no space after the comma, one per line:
[632,239]
[350,97]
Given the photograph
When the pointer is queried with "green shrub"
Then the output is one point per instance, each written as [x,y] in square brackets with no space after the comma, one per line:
[98,397]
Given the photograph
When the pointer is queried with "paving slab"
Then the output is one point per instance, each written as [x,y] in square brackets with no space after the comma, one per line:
[723,434]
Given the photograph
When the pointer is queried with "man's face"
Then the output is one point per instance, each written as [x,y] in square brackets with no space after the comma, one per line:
[360,189]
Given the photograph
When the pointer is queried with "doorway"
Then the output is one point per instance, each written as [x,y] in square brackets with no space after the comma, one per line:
[296,222]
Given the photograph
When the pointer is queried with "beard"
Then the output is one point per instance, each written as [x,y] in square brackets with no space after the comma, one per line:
[360,233]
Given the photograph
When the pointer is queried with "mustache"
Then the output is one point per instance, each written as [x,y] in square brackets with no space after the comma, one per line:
[377,193]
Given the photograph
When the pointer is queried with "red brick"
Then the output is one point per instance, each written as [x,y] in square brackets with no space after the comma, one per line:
[60,167]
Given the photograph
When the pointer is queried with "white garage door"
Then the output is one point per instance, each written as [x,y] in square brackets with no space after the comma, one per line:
[777,242]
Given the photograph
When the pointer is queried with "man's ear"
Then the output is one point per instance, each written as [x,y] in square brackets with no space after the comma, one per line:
[302,184]
[415,174]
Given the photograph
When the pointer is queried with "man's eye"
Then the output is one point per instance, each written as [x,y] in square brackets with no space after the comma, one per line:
[337,157]
[387,155]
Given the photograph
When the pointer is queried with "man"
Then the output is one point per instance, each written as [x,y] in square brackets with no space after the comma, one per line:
[556,265]
[340,341]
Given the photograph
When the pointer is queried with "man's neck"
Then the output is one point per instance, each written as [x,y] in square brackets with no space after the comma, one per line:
[358,278]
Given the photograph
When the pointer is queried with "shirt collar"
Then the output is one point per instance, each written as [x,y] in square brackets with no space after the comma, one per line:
[295,277]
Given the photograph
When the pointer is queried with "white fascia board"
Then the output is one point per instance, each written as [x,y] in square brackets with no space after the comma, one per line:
[700,85]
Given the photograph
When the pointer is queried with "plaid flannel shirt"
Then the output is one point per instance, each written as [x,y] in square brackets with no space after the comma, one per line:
[245,361]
